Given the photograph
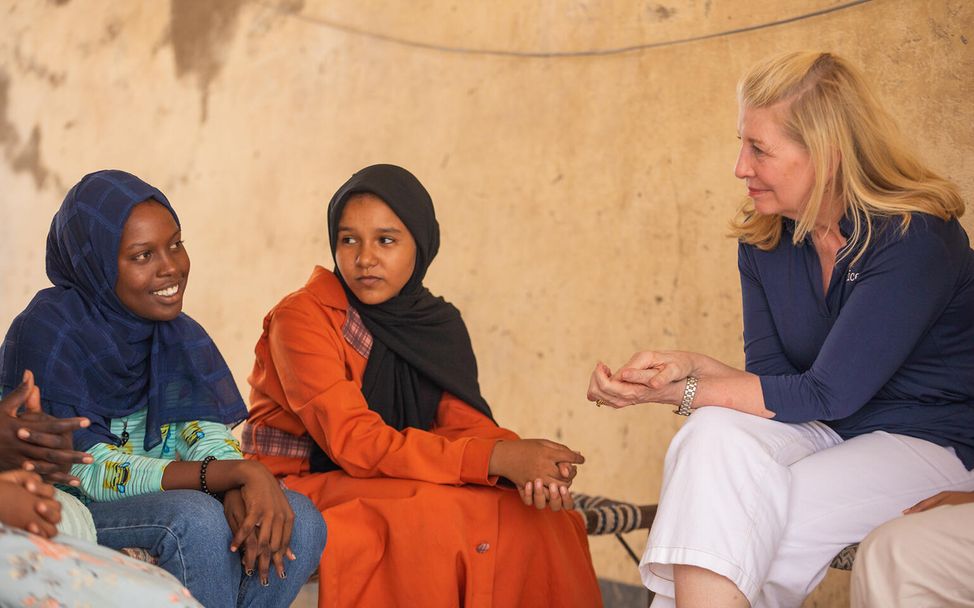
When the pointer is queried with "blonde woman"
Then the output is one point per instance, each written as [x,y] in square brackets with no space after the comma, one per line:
[857,399]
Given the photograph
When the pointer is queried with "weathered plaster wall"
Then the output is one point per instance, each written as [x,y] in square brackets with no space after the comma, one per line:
[583,193]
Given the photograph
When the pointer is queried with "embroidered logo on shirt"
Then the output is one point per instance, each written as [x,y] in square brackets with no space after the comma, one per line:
[851,276]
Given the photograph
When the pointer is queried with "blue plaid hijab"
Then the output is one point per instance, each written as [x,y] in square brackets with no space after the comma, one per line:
[90,355]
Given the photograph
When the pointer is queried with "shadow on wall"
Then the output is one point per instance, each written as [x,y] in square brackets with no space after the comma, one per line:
[199,32]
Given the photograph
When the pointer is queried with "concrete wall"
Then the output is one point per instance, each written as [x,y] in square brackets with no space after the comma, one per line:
[583,191]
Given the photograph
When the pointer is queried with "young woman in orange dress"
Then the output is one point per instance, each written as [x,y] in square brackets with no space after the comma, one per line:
[365,398]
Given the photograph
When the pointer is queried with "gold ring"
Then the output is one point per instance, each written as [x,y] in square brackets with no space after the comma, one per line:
[599,403]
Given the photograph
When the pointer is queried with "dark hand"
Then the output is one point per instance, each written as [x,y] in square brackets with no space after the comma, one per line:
[943,498]
[568,471]
[34,441]
[28,503]
[268,518]
[234,509]
[555,497]
[236,512]
[525,460]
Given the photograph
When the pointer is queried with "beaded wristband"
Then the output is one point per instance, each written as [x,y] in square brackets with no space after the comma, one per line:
[205,463]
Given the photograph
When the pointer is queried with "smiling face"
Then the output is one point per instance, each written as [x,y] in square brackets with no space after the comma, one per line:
[375,252]
[777,170]
[153,265]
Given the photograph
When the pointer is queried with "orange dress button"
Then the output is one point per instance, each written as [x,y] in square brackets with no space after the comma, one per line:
[483,547]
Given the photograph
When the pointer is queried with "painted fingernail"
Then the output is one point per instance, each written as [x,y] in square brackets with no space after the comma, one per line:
[264,582]
[249,572]
[283,574]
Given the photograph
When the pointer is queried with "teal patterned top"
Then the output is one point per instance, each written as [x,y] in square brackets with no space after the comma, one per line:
[120,471]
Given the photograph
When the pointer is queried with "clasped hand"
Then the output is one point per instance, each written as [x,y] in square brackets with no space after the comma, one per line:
[648,377]
[542,470]
[34,441]
[261,520]
[26,502]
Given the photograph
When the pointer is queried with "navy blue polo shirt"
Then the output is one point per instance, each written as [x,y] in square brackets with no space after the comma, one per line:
[889,347]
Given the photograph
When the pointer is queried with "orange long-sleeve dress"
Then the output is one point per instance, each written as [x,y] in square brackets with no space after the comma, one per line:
[413,518]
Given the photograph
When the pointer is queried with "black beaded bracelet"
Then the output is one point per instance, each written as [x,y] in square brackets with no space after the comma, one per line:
[205,463]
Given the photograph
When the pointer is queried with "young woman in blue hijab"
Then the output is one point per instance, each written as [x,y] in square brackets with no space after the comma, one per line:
[109,342]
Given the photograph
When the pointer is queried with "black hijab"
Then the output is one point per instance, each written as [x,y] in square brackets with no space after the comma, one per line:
[420,344]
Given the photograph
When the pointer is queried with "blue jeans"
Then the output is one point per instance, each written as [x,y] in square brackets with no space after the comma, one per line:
[188,533]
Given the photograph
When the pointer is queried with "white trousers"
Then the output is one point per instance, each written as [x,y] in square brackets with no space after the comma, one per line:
[920,560]
[768,504]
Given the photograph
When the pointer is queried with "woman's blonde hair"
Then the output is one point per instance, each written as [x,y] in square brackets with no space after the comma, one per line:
[856,150]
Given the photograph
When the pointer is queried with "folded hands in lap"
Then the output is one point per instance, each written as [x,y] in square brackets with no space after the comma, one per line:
[261,521]
[26,502]
[542,470]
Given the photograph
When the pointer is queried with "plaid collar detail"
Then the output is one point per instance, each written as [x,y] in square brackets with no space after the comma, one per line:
[356,333]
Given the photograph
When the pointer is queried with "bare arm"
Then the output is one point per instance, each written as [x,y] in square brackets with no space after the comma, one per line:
[221,475]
